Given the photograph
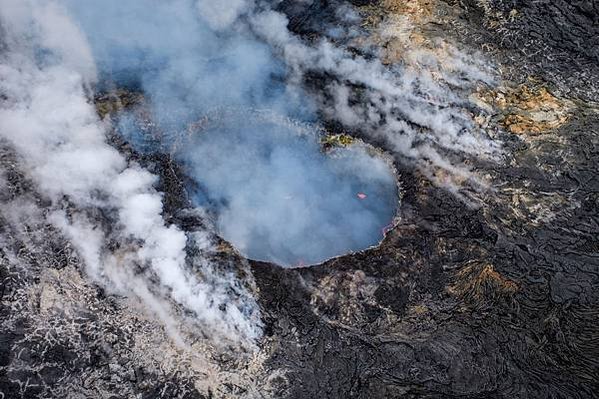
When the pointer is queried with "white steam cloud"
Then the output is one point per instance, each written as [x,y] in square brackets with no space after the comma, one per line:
[418,113]
[279,198]
[190,58]
[47,117]
[276,197]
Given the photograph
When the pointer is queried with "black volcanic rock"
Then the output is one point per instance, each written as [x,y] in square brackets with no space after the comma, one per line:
[499,301]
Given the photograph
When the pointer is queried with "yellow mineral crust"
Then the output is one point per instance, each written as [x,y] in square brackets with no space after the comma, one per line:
[528,110]
[480,282]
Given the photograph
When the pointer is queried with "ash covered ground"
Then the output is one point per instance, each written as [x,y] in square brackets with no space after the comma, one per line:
[486,286]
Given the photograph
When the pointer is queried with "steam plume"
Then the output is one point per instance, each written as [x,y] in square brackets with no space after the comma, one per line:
[190,58]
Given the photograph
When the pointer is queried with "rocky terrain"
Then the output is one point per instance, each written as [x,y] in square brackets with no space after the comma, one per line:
[479,293]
